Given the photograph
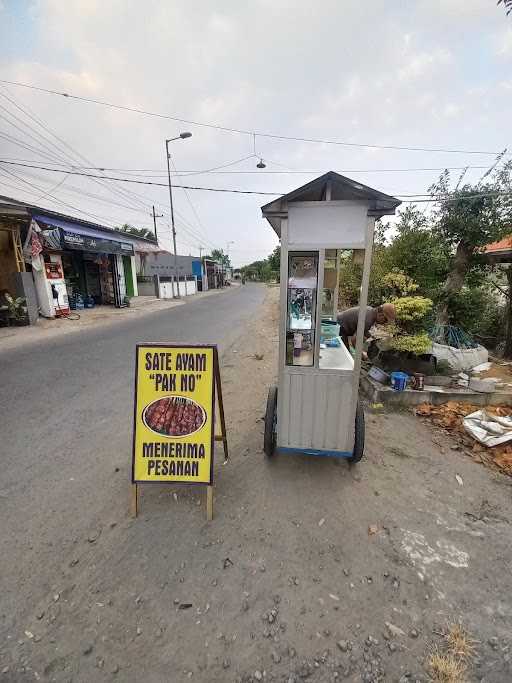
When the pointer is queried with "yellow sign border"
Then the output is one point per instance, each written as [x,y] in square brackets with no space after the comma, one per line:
[214,371]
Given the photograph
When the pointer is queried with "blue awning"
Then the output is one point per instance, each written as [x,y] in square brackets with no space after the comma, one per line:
[78,228]
[80,238]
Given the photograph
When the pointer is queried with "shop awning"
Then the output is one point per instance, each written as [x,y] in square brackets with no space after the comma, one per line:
[81,238]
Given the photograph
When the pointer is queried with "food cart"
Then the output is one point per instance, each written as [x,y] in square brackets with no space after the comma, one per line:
[314,409]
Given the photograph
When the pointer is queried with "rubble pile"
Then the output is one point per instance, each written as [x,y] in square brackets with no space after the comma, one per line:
[449,417]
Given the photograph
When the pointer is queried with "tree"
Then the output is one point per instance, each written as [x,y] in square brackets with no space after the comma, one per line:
[138,232]
[219,256]
[466,220]
[274,260]
[351,274]
[265,269]
[258,270]
[418,252]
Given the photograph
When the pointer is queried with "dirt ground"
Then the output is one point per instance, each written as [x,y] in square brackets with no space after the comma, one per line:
[311,570]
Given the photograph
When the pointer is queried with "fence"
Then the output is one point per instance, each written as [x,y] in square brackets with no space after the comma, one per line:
[186,286]
[146,285]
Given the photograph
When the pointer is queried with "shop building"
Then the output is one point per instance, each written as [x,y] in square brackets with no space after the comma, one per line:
[214,274]
[14,278]
[71,259]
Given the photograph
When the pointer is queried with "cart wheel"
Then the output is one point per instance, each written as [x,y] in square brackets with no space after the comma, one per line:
[269,441]
[358,451]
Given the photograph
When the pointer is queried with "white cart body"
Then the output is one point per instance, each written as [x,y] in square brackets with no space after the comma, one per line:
[318,389]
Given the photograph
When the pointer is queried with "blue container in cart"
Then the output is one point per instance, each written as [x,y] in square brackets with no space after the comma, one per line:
[399,380]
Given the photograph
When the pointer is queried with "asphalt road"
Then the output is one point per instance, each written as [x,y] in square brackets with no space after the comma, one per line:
[66,423]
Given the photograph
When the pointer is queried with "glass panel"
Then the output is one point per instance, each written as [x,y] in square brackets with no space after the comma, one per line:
[329,285]
[334,351]
[301,308]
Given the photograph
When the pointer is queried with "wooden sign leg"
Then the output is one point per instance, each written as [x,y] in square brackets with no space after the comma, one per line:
[209,503]
[134,500]
[220,403]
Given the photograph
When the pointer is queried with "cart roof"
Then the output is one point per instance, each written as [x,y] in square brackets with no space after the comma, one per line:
[342,188]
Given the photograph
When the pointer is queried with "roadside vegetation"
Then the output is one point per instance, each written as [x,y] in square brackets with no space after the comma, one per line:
[435,253]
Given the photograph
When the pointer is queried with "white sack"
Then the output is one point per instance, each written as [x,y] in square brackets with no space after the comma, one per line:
[490,430]
[460,359]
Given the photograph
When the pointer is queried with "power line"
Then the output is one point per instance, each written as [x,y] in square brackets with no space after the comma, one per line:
[30,148]
[215,168]
[159,173]
[242,131]
[53,188]
[139,182]
[183,225]
[90,195]
[417,196]
[122,192]
[59,201]
[47,146]
[194,211]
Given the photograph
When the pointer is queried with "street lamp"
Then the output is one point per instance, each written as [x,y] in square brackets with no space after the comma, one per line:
[181,136]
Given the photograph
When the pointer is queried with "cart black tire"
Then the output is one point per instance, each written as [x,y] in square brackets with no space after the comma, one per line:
[269,440]
[358,451]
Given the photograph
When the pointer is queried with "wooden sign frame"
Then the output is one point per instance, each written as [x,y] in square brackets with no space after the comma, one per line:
[217,398]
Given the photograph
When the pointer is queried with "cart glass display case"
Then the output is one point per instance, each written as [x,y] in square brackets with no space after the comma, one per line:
[314,408]
[301,308]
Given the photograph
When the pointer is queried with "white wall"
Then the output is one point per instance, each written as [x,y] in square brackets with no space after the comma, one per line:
[166,290]
[120,270]
[134,275]
[185,289]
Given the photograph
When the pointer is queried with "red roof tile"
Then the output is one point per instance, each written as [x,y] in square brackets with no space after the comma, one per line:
[503,245]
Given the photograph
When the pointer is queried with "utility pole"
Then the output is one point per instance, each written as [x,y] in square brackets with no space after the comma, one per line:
[200,250]
[181,136]
[227,249]
[155,216]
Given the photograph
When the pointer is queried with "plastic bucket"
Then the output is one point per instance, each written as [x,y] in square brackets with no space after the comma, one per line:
[399,381]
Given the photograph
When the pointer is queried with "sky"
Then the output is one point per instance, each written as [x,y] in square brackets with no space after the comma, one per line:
[412,73]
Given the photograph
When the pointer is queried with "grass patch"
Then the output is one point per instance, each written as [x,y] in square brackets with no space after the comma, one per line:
[445,668]
[459,642]
[449,661]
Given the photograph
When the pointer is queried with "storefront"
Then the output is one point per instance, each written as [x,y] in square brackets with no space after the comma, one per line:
[15,282]
[82,263]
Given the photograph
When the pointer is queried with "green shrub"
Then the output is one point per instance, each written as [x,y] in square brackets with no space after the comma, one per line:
[412,343]
[411,309]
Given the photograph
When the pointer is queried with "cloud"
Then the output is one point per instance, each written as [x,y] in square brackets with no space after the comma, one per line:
[404,79]
[419,65]
[504,43]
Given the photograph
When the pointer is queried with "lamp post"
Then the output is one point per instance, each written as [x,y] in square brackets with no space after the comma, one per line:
[181,136]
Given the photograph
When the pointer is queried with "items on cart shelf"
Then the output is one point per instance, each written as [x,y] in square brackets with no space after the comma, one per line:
[330,328]
[297,344]
[333,343]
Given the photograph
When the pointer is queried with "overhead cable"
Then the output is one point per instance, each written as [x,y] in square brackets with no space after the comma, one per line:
[416,196]
[242,131]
